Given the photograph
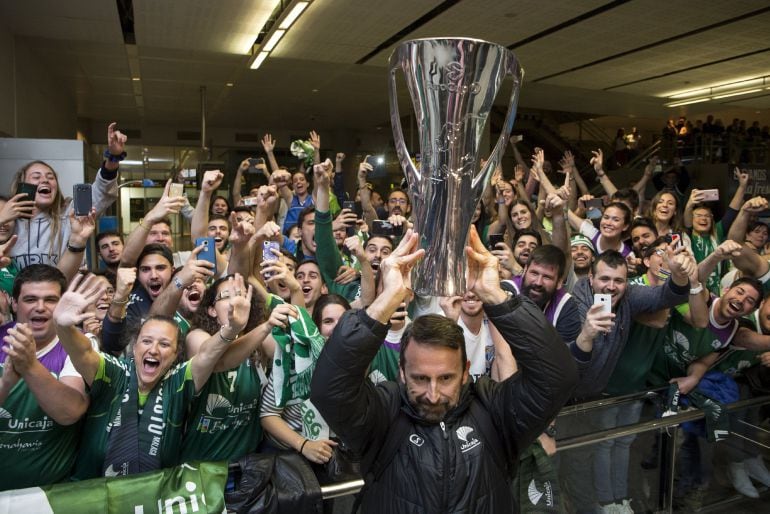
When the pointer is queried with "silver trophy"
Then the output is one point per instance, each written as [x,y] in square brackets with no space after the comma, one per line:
[453,83]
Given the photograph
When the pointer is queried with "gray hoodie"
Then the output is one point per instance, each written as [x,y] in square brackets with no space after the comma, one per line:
[596,366]
[34,243]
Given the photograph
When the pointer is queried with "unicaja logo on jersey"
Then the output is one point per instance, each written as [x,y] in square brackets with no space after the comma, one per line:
[535,496]
[469,441]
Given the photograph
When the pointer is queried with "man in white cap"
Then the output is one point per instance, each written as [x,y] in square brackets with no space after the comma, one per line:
[583,253]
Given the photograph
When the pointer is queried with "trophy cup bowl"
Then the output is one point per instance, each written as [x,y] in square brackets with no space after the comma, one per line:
[453,83]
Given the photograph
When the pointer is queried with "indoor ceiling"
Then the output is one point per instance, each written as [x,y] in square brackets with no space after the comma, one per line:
[593,56]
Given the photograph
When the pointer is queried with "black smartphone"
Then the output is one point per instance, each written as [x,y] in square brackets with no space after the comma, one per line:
[253,162]
[386,228]
[494,239]
[82,199]
[351,206]
[28,189]
[209,252]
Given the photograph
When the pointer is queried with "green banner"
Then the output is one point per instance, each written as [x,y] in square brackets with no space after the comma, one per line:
[188,488]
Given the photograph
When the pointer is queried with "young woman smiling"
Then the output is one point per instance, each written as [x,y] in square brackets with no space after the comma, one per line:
[142,400]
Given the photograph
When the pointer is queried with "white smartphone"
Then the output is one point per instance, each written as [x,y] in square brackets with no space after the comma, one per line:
[710,195]
[605,300]
[250,201]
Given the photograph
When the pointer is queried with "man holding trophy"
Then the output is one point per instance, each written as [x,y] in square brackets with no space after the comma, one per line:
[437,441]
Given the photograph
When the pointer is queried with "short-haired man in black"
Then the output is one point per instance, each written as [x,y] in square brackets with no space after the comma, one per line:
[440,442]
[110,246]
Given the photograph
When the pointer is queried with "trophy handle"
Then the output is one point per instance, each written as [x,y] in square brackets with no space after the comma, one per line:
[413,176]
[512,68]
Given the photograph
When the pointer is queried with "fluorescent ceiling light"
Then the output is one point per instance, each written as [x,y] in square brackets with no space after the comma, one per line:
[694,92]
[727,95]
[688,102]
[261,56]
[293,15]
[277,35]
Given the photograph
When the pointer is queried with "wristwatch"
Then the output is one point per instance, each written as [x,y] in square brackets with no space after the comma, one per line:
[178,283]
[550,431]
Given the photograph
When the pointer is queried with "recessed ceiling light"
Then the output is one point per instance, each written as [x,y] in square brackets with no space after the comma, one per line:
[229,84]
[314,90]
[135,79]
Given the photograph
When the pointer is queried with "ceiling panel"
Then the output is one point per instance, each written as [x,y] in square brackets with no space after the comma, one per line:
[311,78]
[343,31]
[625,28]
[88,20]
[499,22]
[227,26]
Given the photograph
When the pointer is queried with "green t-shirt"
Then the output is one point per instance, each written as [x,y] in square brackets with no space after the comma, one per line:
[224,418]
[34,449]
[638,356]
[7,276]
[108,390]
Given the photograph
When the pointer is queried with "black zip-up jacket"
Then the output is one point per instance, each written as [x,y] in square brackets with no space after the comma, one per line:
[444,467]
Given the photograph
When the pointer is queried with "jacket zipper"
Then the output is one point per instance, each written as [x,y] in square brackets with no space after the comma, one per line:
[445,497]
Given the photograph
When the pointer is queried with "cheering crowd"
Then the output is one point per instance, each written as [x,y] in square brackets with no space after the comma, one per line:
[292,325]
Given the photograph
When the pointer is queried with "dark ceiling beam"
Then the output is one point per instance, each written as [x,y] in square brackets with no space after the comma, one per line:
[689,68]
[419,22]
[563,25]
[665,41]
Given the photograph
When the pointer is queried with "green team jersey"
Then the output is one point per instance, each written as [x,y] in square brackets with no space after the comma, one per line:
[738,360]
[684,344]
[384,366]
[224,418]
[34,449]
[106,393]
[7,276]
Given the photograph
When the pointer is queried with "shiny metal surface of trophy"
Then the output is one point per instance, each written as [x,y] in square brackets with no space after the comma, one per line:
[453,83]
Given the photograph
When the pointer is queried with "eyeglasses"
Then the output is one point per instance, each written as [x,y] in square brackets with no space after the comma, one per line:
[400,201]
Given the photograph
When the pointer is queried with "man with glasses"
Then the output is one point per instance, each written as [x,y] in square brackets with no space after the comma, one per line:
[398,203]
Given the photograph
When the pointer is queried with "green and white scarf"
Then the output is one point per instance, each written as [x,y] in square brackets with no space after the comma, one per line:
[296,352]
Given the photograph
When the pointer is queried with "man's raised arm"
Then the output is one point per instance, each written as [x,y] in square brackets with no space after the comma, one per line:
[340,389]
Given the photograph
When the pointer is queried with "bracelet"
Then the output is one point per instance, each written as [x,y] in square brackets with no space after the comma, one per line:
[141,224]
[226,339]
[75,249]
[119,302]
[696,290]
[114,158]
[303,445]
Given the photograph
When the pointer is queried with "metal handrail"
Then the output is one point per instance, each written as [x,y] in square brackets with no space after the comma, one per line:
[354,486]
[611,400]
[654,424]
